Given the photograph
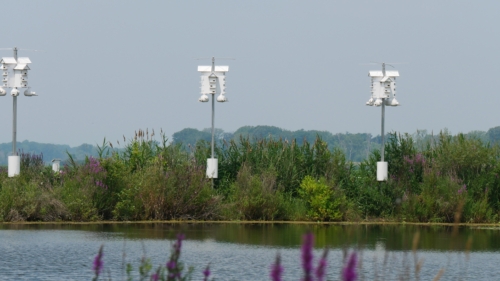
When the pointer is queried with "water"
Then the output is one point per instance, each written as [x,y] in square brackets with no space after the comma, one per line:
[245,251]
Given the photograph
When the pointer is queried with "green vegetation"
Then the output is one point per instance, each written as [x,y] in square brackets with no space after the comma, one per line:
[431,179]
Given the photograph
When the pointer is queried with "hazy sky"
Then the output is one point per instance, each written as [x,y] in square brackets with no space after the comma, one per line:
[108,68]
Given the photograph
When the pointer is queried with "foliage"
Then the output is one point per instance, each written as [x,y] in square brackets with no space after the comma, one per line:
[431,178]
[179,192]
[322,202]
[257,197]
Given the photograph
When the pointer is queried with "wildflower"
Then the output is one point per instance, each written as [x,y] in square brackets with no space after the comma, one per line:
[180,237]
[98,264]
[419,158]
[171,264]
[174,268]
[155,277]
[206,273]
[307,255]
[276,269]
[321,269]
[349,272]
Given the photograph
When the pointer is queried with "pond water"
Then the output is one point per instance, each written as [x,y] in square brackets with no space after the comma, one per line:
[246,251]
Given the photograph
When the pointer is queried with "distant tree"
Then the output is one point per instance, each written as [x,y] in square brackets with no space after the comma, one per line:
[494,134]
[190,136]
[480,135]
[50,151]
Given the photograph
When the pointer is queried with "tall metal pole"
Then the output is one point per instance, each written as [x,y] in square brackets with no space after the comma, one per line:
[383,120]
[213,115]
[213,109]
[14,115]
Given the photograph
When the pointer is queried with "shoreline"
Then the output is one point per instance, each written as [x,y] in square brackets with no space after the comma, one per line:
[255,222]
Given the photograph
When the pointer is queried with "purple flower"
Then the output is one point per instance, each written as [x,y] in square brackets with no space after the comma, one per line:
[349,271]
[98,263]
[276,269]
[206,273]
[171,264]
[307,255]
[174,267]
[321,269]
[180,237]
[155,277]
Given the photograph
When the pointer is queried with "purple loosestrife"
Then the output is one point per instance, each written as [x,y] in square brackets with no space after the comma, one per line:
[321,269]
[307,256]
[206,273]
[171,265]
[98,264]
[419,158]
[276,269]
[349,271]
[174,269]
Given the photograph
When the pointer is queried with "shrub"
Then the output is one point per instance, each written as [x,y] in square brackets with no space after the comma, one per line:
[154,192]
[27,201]
[322,200]
[82,190]
[257,197]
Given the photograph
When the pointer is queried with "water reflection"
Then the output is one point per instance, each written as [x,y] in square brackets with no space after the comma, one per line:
[367,236]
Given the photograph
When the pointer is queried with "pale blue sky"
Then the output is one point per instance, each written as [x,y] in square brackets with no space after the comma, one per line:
[109,68]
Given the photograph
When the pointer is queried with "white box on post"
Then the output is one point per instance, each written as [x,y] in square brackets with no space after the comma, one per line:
[14,166]
[212,164]
[381,171]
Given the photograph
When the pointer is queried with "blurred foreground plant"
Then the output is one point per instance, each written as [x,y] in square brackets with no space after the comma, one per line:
[173,270]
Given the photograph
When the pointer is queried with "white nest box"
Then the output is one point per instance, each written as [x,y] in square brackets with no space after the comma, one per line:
[7,65]
[15,73]
[213,82]
[383,87]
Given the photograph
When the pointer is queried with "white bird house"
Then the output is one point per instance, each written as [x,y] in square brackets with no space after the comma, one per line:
[15,73]
[7,65]
[213,82]
[383,87]
[21,75]
[56,165]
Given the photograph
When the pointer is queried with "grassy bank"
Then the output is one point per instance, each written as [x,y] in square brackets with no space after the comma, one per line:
[444,179]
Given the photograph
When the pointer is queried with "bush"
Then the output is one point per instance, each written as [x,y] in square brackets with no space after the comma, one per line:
[257,197]
[323,201]
[27,201]
[181,192]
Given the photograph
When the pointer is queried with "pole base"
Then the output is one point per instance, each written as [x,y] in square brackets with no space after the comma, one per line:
[212,165]
[382,171]
[14,166]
